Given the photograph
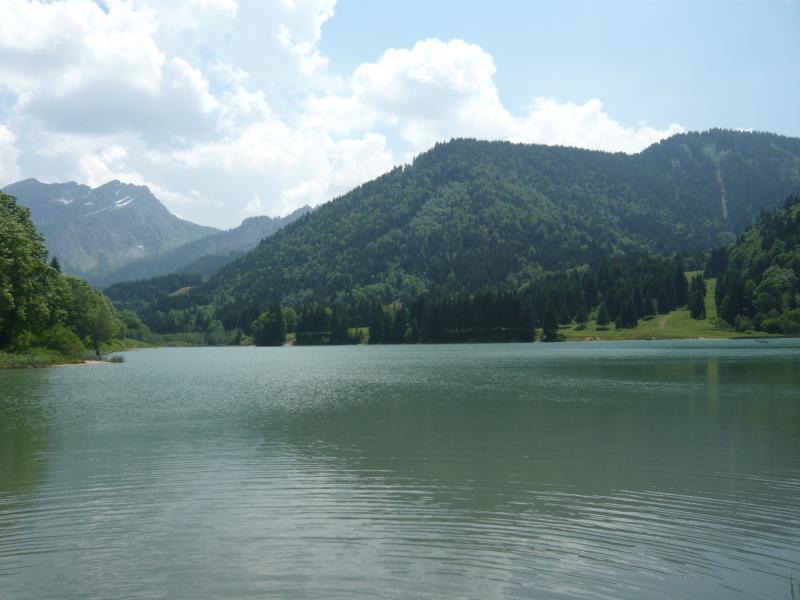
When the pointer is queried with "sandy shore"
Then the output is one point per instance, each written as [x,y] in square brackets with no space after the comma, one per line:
[84,363]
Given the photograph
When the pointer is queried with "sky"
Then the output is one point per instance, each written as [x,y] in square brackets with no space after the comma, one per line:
[233,108]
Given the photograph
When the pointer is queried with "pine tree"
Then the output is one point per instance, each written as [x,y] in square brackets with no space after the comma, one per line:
[664,305]
[525,328]
[54,264]
[681,285]
[697,297]
[602,315]
[582,314]
[339,329]
[650,308]
[399,325]
[629,317]
[550,325]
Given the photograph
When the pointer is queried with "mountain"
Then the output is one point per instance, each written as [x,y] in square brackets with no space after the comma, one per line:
[759,283]
[205,255]
[95,231]
[470,214]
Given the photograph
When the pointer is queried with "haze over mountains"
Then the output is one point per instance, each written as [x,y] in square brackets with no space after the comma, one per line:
[205,255]
[121,231]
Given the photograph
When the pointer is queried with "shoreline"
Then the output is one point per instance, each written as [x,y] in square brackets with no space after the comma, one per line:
[84,363]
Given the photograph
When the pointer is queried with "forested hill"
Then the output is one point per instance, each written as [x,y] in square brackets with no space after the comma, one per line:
[758,285]
[469,214]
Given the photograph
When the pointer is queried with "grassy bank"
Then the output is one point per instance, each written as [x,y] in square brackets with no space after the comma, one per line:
[43,357]
[677,324]
[35,359]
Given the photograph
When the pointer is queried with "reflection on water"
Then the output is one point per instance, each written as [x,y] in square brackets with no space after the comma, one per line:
[618,470]
[23,435]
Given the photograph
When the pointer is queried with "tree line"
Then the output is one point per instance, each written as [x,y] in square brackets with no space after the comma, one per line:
[757,287]
[614,292]
[41,309]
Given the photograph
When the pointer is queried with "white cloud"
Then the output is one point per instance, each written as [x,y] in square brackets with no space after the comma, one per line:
[585,125]
[254,206]
[228,108]
[438,90]
[9,170]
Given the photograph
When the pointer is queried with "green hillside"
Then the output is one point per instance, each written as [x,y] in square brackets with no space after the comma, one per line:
[759,287]
[470,214]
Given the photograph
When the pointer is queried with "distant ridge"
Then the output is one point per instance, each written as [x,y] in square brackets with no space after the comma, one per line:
[121,231]
[96,231]
[208,254]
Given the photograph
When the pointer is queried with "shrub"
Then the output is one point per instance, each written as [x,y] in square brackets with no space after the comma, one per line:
[62,339]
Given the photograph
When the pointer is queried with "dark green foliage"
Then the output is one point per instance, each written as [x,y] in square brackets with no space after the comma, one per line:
[680,286]
[26,283]
[582,315]
[38,305]
[759,287]
[490,315]
[339,326]
[61,339]
[650,308]
[471,215]
[269,329]
[628,317]
[55,265]
[717,262]
[550,325]
[602,315]
[697,297]
[663,303]
[526,330]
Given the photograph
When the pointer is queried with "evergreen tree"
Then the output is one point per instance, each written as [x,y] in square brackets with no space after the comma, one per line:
[399,325]
[339,329]
[55,265]
[629,317]
[270,328]
[664,304]
[582,315]
[697,297]
[602,315]
[681,285]
[638,301]
[525,328]
[717,262]
[550,325]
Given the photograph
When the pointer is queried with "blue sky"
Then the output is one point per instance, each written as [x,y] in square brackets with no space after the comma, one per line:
[701,64]
[233,108]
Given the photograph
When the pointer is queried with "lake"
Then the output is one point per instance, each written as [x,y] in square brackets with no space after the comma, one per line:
[585,470]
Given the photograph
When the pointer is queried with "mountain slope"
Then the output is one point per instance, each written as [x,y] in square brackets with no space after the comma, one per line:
[95,231]
[759,288]
[469,214]
[206,255]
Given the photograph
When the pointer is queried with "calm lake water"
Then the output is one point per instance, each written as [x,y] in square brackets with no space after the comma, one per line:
[607,470]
